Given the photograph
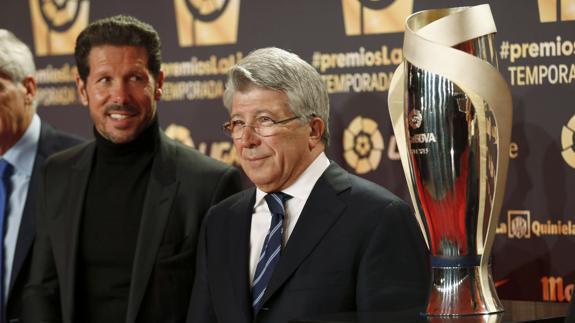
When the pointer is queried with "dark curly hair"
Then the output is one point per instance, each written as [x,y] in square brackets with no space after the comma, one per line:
[118,30]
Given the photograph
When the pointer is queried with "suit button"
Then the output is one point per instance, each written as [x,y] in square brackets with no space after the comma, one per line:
[264,309]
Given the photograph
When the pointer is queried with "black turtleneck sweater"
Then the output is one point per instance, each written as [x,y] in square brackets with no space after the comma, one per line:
[110,223]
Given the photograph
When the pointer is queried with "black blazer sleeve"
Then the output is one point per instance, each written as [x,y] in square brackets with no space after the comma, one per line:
[393,273]
[200,309]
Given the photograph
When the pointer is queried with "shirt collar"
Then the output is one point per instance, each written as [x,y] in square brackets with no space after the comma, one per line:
[22,155]
[302,187]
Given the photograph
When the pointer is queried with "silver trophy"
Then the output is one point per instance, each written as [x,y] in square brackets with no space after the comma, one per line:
[451,112]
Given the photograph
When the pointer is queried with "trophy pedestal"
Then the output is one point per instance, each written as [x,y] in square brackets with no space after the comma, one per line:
[457,291]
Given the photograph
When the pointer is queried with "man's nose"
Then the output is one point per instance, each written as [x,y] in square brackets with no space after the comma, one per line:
[249,137]
[120,93]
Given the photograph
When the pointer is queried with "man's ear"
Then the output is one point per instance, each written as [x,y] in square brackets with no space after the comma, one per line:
[30,86]
[159,84]
[317,128]
[81,87]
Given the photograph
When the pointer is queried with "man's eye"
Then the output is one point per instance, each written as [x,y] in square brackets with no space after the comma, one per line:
[265,121]
[236,123]
[135,78]
[104,79]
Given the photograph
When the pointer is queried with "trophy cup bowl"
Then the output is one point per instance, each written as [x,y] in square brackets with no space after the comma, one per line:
[451,112]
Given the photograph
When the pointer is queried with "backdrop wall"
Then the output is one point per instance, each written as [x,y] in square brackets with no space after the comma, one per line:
[355,45]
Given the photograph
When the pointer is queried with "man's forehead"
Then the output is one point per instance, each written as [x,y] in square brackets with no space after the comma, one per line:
[246,113]
[126,58]
[100,50]
[243,111]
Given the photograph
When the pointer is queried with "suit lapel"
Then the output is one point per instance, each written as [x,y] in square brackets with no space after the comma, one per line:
[77,192]
[161,190]
[27,230]
[320,212]
[239,251]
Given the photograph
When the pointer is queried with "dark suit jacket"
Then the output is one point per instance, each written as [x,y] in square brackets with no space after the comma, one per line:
[355,247]
[183,185]
[50,142]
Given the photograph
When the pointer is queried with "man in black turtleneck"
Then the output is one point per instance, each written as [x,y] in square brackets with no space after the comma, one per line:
[119,216]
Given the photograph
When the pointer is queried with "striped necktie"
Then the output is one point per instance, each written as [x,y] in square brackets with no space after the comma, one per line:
[5,173]
[271,249]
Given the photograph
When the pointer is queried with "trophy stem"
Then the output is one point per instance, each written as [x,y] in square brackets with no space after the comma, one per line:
[457,291]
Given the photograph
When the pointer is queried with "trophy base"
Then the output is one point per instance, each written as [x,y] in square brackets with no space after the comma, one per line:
[460,291]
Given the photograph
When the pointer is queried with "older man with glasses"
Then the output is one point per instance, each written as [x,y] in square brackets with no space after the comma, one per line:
[310,238]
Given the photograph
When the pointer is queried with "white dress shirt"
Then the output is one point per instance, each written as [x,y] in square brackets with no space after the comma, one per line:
[21,156]
[261,218]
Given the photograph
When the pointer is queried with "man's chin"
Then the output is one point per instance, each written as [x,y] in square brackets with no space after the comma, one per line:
[254,176]
[264,183]
[121,137]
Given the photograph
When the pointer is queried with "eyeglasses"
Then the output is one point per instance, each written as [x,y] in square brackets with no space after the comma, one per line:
[263,126]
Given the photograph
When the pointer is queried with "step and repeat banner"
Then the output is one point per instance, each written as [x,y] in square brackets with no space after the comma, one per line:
[355,45]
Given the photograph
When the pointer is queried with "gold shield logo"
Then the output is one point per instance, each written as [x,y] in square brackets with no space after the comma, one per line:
[567,136]
[550,10]
[56,24]
[180,133]
[365,17]
[362,145]
[207,22]
[519,224]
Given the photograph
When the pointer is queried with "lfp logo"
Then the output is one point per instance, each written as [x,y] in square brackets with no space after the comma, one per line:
[56,24]
[364,17]
[204,23]
[362,145]
[551,11]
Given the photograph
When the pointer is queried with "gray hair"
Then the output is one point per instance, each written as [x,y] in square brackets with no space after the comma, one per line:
[276,69]
[16,60]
